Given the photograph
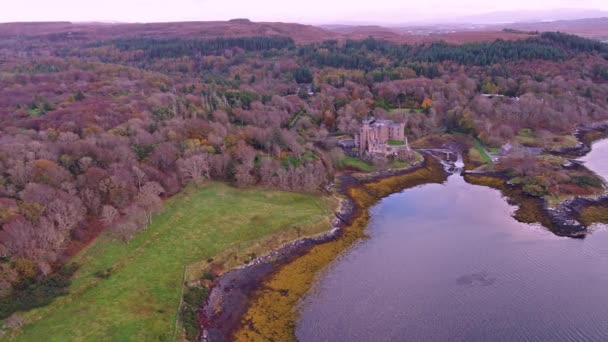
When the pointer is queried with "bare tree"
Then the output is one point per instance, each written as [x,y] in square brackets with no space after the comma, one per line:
[150,204]
[109,214]
[19,237]
[164,156]
[194,168]
[125,230]
[84,163]
[140,177]
[152,188]
[20,174]
[149,201]
[92,200]
[243,175]
[219,165]
[65,213]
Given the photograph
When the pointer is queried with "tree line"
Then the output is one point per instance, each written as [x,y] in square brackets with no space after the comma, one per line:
[93,138]
[356,54]
[172,48]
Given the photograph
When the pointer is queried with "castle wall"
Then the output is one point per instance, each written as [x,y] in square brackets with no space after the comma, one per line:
[383,133]
[397,132]
[374,138]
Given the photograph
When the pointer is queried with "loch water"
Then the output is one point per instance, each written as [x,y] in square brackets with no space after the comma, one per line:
[448,262]
[597,159]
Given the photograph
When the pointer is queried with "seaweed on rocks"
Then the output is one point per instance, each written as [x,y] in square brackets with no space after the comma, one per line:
[257,302]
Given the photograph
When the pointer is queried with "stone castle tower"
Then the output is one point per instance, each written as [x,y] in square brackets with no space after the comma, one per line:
[375,135]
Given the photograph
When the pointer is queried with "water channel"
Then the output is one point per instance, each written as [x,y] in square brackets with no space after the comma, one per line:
[447,262]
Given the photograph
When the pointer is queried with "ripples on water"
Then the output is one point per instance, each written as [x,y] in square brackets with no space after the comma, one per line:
[449,263]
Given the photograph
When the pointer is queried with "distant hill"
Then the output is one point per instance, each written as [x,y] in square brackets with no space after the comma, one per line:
[301,34]
[502,17]
[590,28]
[210,29]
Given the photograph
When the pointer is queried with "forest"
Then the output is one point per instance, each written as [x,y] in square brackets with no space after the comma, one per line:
[96,134]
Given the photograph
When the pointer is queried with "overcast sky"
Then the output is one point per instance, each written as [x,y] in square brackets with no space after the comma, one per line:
[305,11]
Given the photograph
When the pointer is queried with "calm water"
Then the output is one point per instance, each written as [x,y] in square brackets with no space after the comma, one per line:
[449,263]
[597,159]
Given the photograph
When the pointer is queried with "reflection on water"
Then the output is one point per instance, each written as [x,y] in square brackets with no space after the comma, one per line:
[449,263]
[597,159]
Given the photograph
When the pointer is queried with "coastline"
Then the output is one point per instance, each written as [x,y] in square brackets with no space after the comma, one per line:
[587,135]
[560,221]
[282,278]
[228,295]
[568,218]
[257,301]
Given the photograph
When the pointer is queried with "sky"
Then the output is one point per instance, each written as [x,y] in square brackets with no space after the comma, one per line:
[303,11]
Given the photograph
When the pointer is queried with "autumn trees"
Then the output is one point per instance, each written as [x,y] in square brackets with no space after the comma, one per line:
[194,168]
[43,222]
[62,175]
[95,133]
[171,48]
[600,71]
[303,75]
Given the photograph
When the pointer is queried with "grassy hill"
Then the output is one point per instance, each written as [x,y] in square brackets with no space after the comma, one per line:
[140,298]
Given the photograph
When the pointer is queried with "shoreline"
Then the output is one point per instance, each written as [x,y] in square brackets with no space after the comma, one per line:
[561,221]
[586,135]
[228,296]
[232,294]
[566,218]
[226,315]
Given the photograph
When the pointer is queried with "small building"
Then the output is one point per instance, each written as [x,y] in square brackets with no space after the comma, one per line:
[305,87]
[505,149]
[532,150]
[347,143]
[508,148]
[491,96]
[349,147]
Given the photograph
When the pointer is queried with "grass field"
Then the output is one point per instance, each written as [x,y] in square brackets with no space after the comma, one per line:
[396,143]
[356,164]
[405,110]
[139,301]
[482,153]
[547,141]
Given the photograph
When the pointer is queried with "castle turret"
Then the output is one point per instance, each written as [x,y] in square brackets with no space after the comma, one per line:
[363,137]
[375,137]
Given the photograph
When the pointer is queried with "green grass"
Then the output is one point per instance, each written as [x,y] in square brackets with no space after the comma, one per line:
[294,120]
[526,137]
[482,153]
[494,150]
[400,164]
[404,110]
[396,143]
[36,112]
[355,163]
[550,142]
[139,301]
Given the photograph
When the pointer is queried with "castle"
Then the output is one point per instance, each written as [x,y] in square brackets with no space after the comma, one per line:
[383,137]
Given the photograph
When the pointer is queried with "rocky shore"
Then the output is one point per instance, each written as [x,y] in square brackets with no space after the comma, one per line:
[586,135]
[230,294]
[565,218]
[228,297]
[561,220]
